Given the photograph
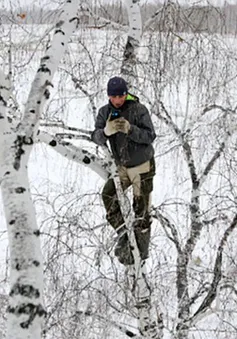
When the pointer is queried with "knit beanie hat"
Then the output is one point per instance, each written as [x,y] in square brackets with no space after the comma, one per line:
[117,86]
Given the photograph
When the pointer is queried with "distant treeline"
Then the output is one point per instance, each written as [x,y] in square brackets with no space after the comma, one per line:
[173,17]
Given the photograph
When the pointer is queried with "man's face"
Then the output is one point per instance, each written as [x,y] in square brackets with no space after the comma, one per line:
[117,100]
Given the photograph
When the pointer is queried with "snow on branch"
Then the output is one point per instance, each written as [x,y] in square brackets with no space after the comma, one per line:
[77,154]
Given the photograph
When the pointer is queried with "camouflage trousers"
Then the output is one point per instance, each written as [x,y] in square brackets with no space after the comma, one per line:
[141,180]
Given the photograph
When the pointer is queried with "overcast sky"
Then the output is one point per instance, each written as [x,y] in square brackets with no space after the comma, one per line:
[22,3]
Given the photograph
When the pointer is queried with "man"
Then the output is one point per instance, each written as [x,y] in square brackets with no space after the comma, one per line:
[127,125]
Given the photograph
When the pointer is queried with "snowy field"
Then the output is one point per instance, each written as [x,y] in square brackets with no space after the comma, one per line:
[189,75]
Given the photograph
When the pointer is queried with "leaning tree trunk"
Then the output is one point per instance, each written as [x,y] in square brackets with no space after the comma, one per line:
[148,327]
[26,311]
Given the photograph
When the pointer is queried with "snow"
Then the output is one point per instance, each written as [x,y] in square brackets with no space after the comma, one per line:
[67,196]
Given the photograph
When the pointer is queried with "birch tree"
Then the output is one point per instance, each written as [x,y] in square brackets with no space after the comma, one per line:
[26,310]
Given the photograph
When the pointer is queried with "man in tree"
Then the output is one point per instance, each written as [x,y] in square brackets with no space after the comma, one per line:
[127,125]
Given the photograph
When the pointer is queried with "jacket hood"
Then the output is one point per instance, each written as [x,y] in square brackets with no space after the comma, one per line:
[132,97]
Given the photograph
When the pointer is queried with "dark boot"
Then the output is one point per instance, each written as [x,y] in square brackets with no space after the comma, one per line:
[123,251]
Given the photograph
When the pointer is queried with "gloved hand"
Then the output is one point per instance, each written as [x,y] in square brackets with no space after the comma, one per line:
[110,127]
[122,125]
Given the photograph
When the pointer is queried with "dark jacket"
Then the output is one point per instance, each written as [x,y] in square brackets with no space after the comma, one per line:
[130,149]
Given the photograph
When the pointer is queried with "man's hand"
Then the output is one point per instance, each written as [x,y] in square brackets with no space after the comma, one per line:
[110,127]
[122,125]
[118,125]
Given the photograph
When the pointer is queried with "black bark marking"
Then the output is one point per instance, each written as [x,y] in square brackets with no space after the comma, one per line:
[130,334]
[21,264]
[20,141]
[12,222]
[53,143]
[129,49]
[17,234]
[46,57]
[66,143]
[38,102]
[18,266]
[19,152]
[20,190]
[1,117]
[46,94]
[7,173]
[37,233]
[28,141]
[25,290]
[60,23]
[44,69]
[32,111]
[75,18]
[86,160]
[62,43]
[28,309]
[4,101]
[59,31]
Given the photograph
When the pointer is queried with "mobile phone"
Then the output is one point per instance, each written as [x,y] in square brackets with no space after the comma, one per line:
[115,115]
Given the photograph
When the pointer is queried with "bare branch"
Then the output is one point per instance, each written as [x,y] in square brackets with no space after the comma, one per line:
[166,224]
[60,124]
[212,293]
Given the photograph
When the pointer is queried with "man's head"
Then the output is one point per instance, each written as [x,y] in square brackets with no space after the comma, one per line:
[117,91]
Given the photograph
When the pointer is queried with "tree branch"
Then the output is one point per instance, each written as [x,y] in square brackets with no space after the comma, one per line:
[101,166]
[60,124]
[211,295]
[167,224]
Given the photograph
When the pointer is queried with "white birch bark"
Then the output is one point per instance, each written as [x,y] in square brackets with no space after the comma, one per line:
[128,69]
[147,326]
[100,166]
[26,311]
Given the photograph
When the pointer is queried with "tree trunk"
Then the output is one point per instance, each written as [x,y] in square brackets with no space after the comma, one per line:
[26,311]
